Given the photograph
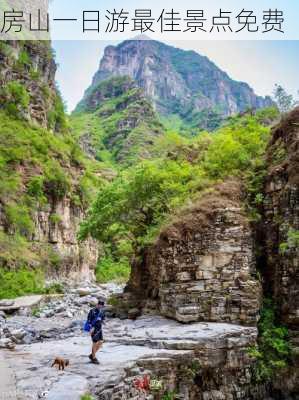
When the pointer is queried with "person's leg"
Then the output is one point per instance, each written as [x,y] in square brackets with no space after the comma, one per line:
[94,349]
[97,339]
[99,345]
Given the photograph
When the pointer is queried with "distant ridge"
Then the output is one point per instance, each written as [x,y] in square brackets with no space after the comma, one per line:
[179,82]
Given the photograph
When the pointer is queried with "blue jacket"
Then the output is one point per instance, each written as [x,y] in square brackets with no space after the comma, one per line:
[95,318]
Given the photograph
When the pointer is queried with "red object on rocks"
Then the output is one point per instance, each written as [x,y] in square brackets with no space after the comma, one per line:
[142,384]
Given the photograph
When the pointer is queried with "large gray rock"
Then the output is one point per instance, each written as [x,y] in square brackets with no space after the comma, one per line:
[199,361]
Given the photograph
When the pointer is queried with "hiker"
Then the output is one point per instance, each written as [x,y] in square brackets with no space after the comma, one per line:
[95,319]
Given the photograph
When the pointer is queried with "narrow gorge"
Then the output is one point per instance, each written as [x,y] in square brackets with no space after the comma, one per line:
[187,231]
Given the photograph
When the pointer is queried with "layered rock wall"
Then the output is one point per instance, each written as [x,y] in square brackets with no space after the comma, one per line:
[281,224]
[202,267]
[58,226]
[281,233]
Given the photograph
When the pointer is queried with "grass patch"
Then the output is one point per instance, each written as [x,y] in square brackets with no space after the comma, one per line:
[15,98]
[292,242]
[113,126]
[54,288]
[16,251]
[273,352]
[109,270]
[35,164]
[25,281]
[20,282]
[86,397]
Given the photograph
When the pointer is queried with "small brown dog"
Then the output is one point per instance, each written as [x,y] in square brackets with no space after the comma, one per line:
[61,362]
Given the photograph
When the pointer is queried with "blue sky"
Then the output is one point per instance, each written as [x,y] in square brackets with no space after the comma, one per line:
[259,63]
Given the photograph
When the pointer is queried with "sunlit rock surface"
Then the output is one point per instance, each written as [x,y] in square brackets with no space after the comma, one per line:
[152,345]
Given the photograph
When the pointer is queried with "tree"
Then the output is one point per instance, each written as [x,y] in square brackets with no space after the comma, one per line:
[285,101]
[129,211]
[132,207]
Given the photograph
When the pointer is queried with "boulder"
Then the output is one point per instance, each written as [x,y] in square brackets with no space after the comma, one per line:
[66,314]
[134,313]
[90,300]
[84,291]
[50,313]
[6,343]
[18,334]
[60,308]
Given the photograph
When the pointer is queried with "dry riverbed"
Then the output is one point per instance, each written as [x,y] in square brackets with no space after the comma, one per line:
[149,345]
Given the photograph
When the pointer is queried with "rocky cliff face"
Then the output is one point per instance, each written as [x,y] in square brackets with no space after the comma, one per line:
[41,205]
[116,117]
[281,217]
[177,81]
[76,261]
[281,226]
[202,267]
[32,65]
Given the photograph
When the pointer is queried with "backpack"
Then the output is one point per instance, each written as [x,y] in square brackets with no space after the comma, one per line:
[86,326]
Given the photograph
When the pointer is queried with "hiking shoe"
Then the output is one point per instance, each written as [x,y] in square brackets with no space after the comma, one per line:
[95,361]
[90,357]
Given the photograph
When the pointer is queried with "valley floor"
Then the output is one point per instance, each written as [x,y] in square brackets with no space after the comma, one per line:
[132,349]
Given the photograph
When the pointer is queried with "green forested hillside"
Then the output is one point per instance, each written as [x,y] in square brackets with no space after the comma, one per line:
[129,212]
[160,165]
[46,180]
[37,168]
[117,121]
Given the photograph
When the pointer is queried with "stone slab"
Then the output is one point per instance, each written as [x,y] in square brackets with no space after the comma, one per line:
[23,302]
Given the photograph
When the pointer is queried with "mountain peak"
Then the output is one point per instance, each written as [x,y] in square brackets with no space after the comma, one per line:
[179,82]
[141,37]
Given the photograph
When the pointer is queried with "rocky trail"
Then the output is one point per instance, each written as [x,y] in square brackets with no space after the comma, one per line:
[131,348]
[149,346]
